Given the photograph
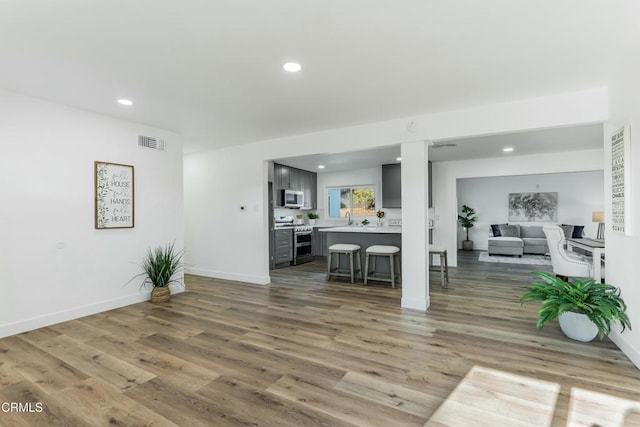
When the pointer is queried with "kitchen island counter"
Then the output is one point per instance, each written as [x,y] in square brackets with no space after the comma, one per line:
[360,229]
[390,236]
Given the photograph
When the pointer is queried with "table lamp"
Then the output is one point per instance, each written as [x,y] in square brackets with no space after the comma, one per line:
[599,218]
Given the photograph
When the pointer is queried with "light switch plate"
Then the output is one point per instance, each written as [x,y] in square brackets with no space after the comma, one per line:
[393,222]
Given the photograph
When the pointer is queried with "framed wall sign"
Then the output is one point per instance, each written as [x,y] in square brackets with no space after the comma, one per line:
[114,191]
[621,181]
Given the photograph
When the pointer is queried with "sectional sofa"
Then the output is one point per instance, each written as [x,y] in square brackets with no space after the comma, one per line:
[516,239]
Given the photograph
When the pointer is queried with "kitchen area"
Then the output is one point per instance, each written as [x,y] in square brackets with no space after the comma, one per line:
[343,198]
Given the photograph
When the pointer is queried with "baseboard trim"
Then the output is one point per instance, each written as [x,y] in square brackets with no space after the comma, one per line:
[25,325]
[258,280]
[415,304]
[632,353]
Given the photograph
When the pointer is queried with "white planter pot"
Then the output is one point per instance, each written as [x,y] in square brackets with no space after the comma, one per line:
[312,222]
[577,326]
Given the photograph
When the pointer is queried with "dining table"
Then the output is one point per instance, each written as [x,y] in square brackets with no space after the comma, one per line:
[595,247]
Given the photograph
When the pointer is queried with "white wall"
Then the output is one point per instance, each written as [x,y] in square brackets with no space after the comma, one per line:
[579,194]
[54,265]
[622,267]
[223,242]
[446,174]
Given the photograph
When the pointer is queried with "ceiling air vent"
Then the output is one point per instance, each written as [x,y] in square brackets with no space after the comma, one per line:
[444,145]
[151,142]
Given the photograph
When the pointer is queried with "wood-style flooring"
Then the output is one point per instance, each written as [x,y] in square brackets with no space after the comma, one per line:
[298,352]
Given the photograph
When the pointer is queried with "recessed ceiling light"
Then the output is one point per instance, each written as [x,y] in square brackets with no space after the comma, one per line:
[507,149]
[398,159]
[124,102]
[320,166]
[292,67]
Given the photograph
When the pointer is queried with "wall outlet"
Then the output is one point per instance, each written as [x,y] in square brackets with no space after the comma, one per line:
[393,222]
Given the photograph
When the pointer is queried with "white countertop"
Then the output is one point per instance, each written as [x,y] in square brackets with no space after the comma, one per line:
[360,229]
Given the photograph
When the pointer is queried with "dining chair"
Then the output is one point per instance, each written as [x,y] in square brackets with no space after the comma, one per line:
[564,263]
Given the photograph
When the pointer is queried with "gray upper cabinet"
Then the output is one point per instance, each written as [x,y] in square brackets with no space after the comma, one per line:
[277,185]
[309,186]
[391,186]
[313,191]
[288,178]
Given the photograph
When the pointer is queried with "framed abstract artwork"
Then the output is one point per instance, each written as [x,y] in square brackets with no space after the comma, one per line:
[114,195]
[532,207]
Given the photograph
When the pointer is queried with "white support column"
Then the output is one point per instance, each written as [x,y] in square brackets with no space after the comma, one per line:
[415,231]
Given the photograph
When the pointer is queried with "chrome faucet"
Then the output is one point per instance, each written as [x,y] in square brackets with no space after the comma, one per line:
[348,215]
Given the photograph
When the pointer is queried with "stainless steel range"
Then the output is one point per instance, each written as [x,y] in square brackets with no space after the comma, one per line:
[302,239]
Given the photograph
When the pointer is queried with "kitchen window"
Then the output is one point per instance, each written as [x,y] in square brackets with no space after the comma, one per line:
[358,201]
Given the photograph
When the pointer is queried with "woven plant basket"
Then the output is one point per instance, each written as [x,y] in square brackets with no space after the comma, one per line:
[160,294]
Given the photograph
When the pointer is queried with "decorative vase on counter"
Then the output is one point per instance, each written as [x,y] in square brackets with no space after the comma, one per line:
[312,222]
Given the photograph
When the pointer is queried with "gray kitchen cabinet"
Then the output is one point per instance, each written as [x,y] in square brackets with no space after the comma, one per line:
[391,186]
[313,191]
[277,184]
[283,246]
[319,243]
[285,177]
[309,185]
[288,178]
[295,179]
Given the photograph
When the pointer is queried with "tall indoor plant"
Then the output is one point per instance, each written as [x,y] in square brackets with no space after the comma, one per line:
[467,219]
[160,268]
[577,304]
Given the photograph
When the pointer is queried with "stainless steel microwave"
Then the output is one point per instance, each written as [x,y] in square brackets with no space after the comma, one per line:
[292,199]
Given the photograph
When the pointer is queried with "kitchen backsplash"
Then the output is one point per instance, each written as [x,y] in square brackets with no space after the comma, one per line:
[390,214]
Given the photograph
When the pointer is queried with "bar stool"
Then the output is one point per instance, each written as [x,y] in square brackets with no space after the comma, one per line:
[375,251]
[344,249]
[444,267]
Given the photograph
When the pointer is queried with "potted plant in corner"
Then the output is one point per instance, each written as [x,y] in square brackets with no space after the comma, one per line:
[159,268]
[584,308]
[312,218]
[467,222]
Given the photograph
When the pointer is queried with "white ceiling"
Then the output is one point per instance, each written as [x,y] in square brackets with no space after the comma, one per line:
[491,146]
[211,69]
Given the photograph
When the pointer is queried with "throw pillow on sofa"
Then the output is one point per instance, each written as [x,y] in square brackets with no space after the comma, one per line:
[568,231]
[577,233]
[495,229]
[509,230]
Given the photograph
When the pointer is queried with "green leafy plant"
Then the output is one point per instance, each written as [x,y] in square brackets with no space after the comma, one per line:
[161,265]
[380,214]
[312,215]
[601,303]
[468,219]
[365,222]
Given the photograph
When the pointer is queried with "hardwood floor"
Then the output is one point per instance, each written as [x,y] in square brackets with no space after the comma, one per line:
[301,351]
